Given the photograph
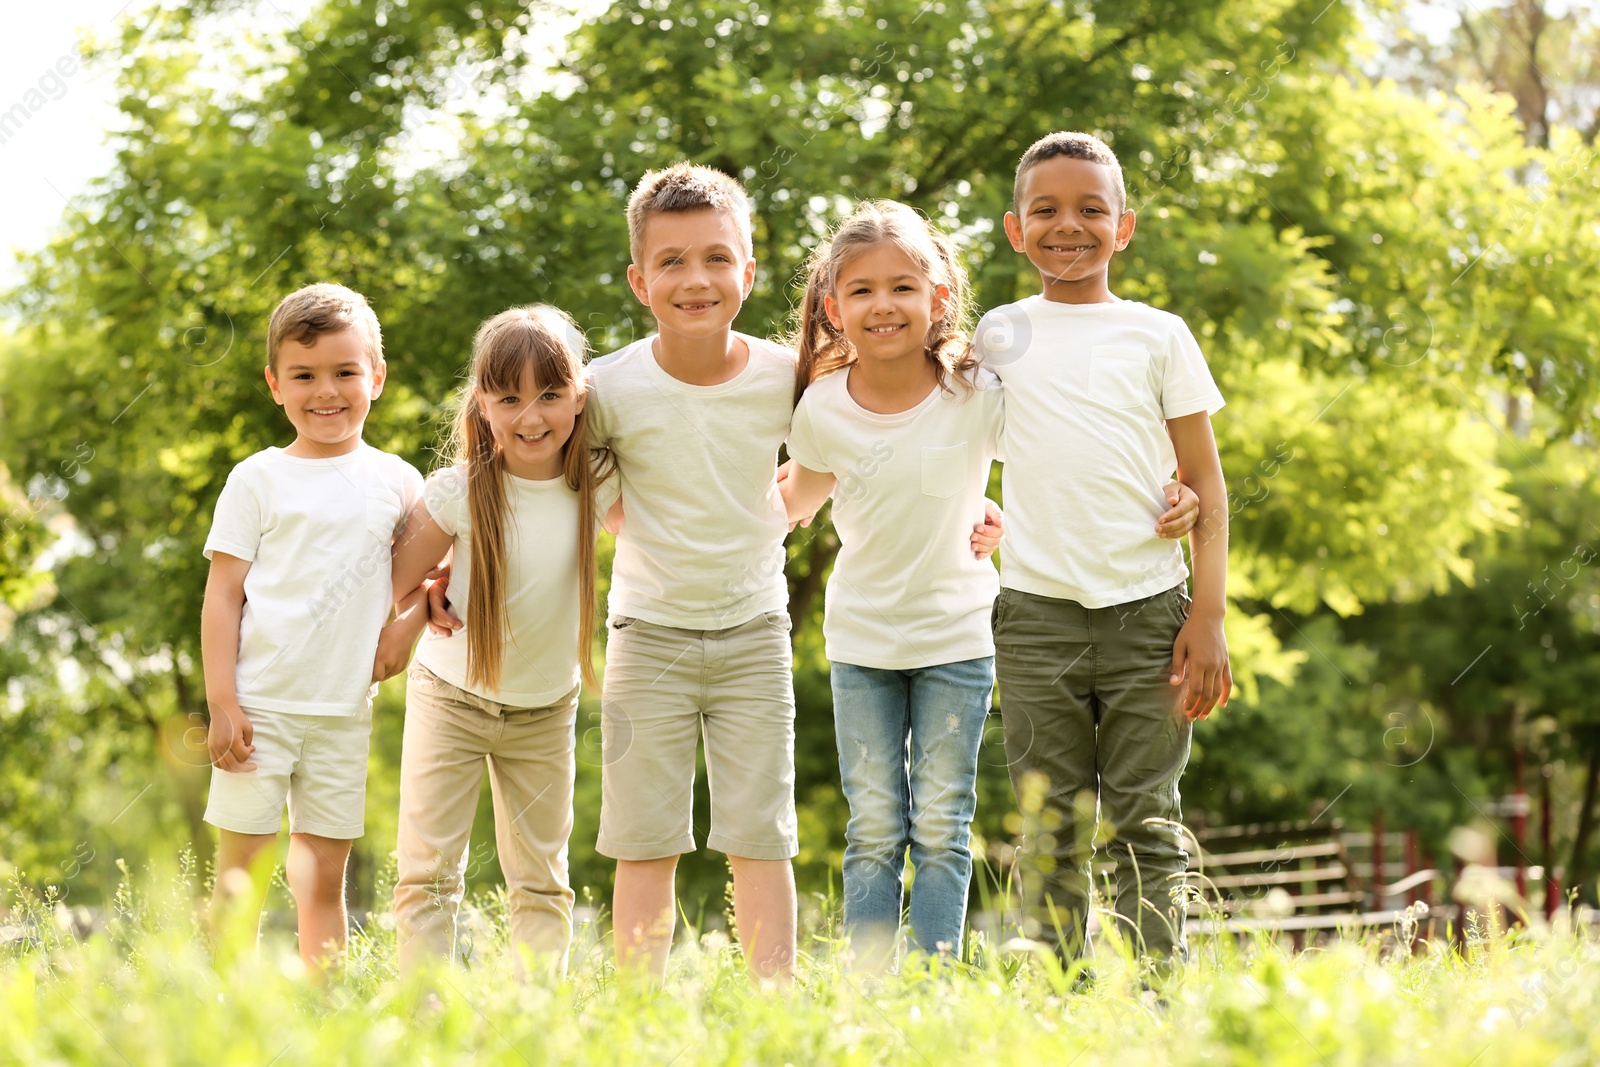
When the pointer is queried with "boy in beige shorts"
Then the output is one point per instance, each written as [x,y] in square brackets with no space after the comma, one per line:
[698,636]
[296,600]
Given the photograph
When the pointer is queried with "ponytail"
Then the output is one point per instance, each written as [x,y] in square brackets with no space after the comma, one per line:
[584,469]
[823,347]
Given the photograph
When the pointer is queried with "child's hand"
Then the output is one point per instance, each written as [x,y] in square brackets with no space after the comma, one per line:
[1200,666]
[229,740]
[1183,514]
[442,622]
[614,518]
[803,521]
[804,491]
[987,534]
[394,653]
[786,490]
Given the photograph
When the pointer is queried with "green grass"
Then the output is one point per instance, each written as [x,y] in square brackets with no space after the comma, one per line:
[142,990]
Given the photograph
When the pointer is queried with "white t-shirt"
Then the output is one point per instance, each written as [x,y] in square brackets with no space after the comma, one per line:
[318,535]
[702,545]
[540,662]
[1089,389]
[905,591]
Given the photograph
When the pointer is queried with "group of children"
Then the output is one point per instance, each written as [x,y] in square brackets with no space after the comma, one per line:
[889,404]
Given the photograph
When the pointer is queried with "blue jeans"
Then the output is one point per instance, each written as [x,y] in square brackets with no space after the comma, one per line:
[908,755]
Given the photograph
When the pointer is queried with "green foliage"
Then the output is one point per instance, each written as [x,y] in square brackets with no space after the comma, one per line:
[1346,494]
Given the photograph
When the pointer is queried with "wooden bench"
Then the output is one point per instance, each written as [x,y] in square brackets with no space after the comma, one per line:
[1296,878]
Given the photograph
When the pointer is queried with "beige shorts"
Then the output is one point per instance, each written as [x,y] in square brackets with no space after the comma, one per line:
[318,763]
[664,687]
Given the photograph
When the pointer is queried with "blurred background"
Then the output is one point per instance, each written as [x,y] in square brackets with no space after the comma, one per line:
[1382,221]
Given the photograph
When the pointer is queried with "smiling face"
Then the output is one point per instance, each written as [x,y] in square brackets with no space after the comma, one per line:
[1067,225]
[326,388]
[531,424]
[694,273]
[885,303]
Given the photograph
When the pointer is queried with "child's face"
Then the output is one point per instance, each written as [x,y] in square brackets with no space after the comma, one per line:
[694,274]
[531,426]
[1068,225]
[326,388]
[885,303]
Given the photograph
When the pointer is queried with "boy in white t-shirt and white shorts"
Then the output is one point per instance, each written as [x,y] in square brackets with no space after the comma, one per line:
[1103,661]
[298,593]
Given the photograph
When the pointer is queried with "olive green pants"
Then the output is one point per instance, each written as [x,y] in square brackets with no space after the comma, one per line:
[1093,731]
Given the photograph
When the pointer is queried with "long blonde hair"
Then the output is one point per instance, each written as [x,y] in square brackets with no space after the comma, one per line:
[546,340]
[824,348]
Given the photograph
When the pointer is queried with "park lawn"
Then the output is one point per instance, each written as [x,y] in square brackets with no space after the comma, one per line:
[141,990]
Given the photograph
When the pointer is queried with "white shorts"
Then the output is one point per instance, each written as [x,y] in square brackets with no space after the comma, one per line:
[318,763]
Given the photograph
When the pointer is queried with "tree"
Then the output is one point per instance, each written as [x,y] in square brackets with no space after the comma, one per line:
[1539,54]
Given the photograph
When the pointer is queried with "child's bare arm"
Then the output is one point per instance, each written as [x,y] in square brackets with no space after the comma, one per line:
[229,736]
[418,549]
[1200,654]
[804,492]
[400,636]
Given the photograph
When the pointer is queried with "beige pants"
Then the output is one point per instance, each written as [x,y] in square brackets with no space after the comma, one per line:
[449,735]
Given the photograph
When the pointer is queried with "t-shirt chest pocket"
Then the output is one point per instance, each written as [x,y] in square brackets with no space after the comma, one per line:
[1119,375]
[383,513]
[944,469]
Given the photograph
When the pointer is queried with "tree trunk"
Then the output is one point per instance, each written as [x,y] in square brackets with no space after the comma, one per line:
[803,588]
[1578,869]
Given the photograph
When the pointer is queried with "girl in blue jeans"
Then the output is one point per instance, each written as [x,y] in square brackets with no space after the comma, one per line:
[900,425]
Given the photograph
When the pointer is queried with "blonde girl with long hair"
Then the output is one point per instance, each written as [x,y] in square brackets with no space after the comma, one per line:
[899,424]
[517,508]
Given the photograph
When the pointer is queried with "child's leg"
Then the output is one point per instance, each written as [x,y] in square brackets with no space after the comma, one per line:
[441,771]
[749,728]
[247,806]
[948,706]
[327,806]
[650,729]
[1143,748]
[241,890]
[644,914]
[1044,651]
[316,878]
[764,908]
[530,774]
[871,718]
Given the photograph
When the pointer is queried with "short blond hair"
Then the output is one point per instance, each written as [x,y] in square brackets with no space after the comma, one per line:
[308,313]
[686,187]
